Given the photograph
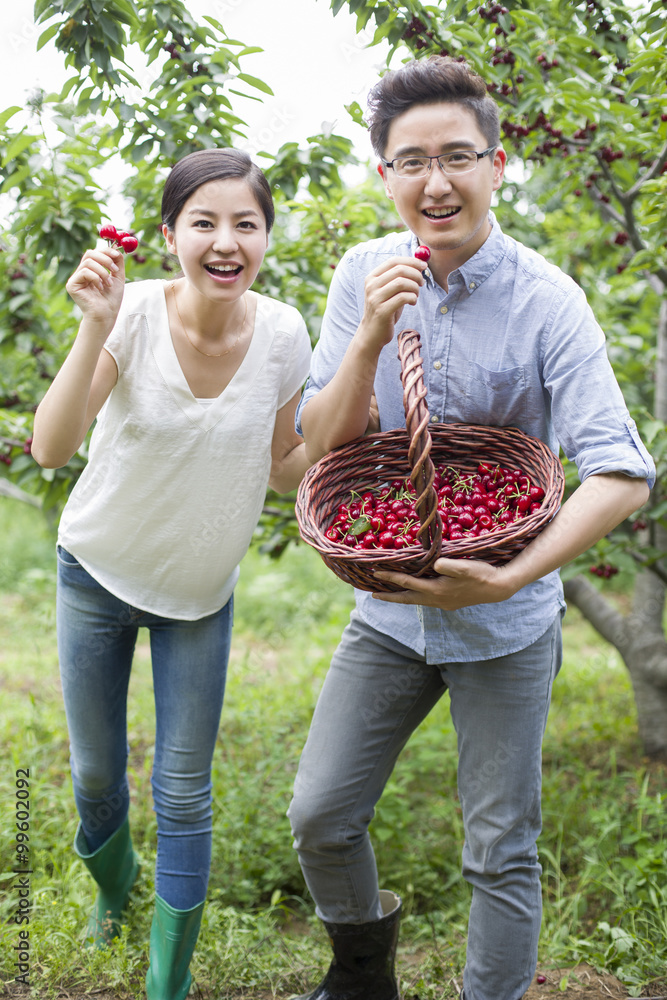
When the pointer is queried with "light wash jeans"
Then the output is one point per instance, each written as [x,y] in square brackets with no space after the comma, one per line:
[96,639]
[375,694]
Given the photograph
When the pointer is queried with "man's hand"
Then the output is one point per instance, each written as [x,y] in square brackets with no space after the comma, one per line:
[387,289]
[461,583]
[373,417]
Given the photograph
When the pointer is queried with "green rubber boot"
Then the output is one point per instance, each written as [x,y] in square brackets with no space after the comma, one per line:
[174,935]
[115,867]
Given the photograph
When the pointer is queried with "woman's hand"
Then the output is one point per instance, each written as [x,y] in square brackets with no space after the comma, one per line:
[97,285]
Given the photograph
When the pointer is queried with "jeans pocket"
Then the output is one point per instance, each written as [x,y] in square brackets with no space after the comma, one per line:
[66,558]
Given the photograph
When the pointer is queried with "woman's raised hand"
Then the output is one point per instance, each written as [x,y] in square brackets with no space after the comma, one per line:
[97,284]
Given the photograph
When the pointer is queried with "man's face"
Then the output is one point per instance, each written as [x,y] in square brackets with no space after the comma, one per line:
[446,213]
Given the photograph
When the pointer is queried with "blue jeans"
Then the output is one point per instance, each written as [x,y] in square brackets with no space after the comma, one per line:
[375,694]
[96,639]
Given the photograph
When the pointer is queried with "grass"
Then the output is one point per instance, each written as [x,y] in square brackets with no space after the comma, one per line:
[602,848]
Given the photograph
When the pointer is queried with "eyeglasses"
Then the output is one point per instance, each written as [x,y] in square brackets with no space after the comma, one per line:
[461,161]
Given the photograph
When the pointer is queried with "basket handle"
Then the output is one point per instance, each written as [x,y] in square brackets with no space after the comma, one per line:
[417,418]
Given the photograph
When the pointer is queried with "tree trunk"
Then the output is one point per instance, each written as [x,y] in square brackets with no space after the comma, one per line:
[639,638]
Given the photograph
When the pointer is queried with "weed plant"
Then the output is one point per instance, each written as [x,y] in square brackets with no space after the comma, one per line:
[603,847]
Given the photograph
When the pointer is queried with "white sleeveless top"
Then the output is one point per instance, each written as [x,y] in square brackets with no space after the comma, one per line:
[165,509]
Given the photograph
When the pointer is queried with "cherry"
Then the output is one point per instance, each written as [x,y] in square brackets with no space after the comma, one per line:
[423,253]
[117,238]
[129,243]
[109,232]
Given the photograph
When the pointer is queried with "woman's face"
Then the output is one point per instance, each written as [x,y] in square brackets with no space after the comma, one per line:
[220,239]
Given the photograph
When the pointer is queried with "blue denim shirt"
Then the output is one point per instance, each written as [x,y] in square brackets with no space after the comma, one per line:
[513,342]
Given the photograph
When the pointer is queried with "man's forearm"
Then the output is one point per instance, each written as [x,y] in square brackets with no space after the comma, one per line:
[594,509]
[340,411]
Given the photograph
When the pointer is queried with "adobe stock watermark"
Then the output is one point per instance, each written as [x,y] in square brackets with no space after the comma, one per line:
[22,870]
[222,7]
[264,137]
[492,766]
[350,50]
[27,34]
[398,686]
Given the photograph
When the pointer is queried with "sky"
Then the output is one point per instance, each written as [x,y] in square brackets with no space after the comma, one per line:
[315,64]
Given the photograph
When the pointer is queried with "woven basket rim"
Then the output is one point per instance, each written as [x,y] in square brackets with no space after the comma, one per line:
[359,465]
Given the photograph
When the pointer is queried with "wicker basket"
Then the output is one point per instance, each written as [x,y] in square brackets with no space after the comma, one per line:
[371,462]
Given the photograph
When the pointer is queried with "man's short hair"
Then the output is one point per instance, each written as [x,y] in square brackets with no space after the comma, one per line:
[430,81]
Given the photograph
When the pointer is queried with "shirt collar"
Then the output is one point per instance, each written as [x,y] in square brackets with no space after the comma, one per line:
[481,265]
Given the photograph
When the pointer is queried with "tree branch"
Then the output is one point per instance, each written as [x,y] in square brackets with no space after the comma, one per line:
[654,170]
[597,609]
[14,492]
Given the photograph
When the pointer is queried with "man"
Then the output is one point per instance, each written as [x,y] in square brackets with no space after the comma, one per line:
[507,339]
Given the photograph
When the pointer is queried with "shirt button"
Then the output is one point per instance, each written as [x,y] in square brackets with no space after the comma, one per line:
[434,420]
[443,310]
[473,284]
[437,365]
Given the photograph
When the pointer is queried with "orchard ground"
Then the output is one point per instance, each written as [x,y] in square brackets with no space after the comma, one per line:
[579,983]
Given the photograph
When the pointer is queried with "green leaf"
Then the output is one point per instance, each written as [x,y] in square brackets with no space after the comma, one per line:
[216,24]
[356,113]
[9,113]
[41,8]
[253,81]
[19,144]
[47,35]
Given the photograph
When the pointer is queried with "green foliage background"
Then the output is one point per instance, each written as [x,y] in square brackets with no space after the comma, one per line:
[578,81]
[582,92]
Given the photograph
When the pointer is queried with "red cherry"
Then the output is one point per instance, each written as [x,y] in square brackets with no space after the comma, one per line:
[129,243]
[108,232]
[423,253]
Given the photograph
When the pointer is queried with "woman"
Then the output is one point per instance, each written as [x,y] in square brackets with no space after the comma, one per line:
[194,383]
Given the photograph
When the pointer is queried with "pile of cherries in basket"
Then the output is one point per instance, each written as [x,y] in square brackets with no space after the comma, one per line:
[470,504]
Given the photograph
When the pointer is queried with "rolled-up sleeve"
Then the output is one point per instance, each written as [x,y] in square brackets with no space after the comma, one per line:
[589,413]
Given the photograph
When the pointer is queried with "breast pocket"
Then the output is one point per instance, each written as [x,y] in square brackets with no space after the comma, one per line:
[495,397]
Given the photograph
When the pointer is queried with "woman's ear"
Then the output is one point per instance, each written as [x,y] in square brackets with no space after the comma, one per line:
[169,239]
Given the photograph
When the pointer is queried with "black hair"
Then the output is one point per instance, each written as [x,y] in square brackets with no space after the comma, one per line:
[207,165]
[430,81]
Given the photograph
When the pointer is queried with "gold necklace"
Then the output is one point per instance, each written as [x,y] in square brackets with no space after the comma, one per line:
[206,355]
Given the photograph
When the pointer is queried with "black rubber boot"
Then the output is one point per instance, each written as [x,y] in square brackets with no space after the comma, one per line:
[364,955]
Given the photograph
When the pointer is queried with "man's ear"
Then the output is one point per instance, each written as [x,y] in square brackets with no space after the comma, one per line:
[383,175]
[499,161]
